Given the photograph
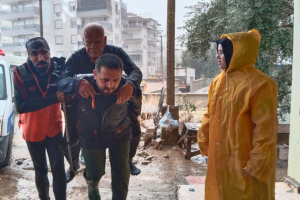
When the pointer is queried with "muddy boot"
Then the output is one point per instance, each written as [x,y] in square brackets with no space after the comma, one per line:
[93,190]
[43,193]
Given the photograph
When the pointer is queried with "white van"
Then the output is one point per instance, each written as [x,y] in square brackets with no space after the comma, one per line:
[7,106]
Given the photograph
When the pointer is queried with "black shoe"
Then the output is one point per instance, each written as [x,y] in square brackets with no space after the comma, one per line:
[133,169]
[71,174]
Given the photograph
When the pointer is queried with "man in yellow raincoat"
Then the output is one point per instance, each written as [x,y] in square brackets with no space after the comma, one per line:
[239,128]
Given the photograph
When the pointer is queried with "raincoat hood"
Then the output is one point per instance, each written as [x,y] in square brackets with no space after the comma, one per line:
[245,48]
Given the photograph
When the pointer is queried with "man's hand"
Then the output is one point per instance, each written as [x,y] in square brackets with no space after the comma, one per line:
[86,89]
[124,93]
[62,97]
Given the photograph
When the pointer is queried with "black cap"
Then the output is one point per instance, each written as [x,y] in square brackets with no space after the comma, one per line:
[37,43]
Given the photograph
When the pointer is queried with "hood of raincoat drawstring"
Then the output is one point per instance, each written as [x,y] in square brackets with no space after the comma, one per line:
[245,48]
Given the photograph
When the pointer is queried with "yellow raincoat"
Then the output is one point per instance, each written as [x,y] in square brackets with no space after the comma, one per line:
[239,128]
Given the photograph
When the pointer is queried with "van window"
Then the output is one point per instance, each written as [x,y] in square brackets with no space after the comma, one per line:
[2,83]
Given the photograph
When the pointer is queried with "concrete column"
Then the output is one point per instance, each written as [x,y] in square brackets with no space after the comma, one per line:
[294,143]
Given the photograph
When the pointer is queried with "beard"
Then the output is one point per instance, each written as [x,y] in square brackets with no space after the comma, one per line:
[41,70]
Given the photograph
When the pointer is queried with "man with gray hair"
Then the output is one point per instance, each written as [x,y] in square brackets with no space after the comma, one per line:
[83,62]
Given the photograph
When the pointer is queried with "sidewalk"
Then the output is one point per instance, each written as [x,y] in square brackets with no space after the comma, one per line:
[195,191]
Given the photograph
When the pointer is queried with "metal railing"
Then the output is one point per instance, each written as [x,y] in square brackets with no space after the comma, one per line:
[26,26]
[13,44]
[20,10]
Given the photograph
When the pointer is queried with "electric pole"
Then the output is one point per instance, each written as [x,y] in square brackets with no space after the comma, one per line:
[41,19]
[170,52]
[161,59]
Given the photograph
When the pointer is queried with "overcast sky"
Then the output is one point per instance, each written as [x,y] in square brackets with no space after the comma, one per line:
[158,9]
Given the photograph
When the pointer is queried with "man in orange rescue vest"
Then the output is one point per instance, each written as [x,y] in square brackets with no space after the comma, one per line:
[40,116]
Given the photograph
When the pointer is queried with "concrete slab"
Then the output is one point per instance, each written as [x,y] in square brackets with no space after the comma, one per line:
[196,191]
[190,192]
[284,192]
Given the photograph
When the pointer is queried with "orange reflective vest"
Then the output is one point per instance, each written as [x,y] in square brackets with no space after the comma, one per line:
[41,123]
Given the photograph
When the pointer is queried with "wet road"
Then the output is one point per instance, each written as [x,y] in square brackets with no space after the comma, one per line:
[158,180]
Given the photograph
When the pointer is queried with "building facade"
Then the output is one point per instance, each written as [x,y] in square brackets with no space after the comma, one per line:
[63,21]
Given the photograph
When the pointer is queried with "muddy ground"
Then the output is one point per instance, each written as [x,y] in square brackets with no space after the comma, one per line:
[158,180]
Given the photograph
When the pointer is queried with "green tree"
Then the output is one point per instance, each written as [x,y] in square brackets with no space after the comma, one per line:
[273,19]
[207,64]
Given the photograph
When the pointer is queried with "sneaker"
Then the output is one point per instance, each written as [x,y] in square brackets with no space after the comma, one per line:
[133,169]
[71,174]
[82,161]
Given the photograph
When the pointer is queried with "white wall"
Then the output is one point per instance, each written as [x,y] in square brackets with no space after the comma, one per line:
[294,144]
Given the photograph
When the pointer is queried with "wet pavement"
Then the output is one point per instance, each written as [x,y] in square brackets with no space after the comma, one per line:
[164,177]
[158,180]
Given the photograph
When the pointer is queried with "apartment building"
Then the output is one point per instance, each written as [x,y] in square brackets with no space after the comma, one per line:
[140,42]
[63,21]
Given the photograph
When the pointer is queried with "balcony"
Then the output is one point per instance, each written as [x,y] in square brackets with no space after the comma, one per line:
[20,13]
[11,2]
[124,46]
[152,51]
[91,8]
[151,40]
[135,51]
[107,27]
[14,47]
[132,39]
[134,25]
[27,29]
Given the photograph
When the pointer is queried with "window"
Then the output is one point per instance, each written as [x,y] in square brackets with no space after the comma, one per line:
[117,39]
[57,8]
[17,54]
[116,8]
[136,57]
[59,40]
[73,22]
[58,24]
[59,54]
[98,20]
[117,23]
[72,6]
[74,39]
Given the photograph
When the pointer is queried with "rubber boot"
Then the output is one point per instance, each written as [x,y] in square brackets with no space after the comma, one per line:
[93,190]
[43,193]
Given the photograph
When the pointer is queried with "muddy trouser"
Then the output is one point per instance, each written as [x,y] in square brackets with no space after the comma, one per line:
[37,152]
[95,169]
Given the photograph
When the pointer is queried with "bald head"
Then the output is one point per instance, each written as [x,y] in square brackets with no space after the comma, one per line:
[94,40]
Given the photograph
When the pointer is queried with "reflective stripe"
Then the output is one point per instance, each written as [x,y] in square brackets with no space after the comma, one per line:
[9,119]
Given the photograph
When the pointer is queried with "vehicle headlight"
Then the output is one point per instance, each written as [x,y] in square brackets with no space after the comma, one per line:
[1,121]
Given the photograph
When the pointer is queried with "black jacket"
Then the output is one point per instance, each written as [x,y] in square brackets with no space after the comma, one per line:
[29,87]
[104,124]
[79,63]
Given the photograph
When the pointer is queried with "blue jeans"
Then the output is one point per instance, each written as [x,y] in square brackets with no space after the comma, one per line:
[37,152]
[120,173]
